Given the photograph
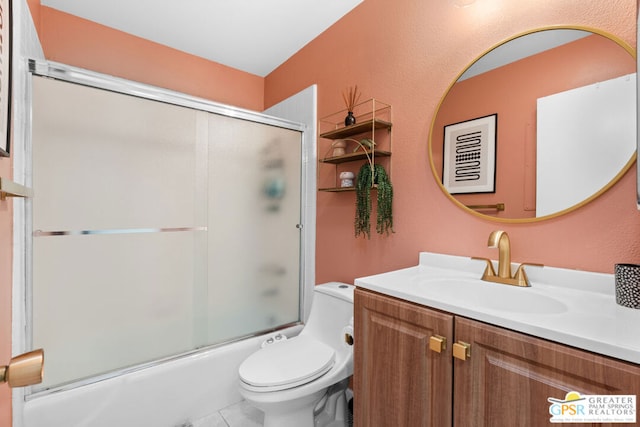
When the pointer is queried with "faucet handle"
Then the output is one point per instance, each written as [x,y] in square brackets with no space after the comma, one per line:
[532,264]
[521,275]
[489,271]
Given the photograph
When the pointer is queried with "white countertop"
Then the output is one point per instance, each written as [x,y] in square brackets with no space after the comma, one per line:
[571,307]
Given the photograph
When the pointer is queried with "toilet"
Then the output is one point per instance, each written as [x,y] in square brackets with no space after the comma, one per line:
[301,381]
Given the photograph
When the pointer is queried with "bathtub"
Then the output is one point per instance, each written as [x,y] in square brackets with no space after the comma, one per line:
[172,393]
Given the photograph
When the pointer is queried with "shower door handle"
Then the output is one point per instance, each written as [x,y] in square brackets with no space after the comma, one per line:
[23,370]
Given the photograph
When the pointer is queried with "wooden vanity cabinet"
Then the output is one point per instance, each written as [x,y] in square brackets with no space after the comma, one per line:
[509,377]
[505,382]
[398,381]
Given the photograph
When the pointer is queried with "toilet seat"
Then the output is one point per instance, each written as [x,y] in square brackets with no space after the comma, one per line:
[287,364]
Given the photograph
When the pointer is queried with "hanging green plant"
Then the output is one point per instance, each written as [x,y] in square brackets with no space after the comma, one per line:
[365,180]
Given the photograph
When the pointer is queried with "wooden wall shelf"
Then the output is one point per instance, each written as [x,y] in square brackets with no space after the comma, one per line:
[351,157]
[373,121]
[358,128]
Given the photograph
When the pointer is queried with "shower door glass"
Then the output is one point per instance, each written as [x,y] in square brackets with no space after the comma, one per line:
[157,230]
[253,238]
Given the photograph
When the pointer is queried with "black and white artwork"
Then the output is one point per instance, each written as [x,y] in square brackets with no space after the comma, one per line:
[470,156]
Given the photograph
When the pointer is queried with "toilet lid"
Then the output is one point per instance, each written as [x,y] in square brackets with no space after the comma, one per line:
[292,362]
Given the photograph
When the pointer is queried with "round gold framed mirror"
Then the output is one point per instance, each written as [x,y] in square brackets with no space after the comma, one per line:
[537,126]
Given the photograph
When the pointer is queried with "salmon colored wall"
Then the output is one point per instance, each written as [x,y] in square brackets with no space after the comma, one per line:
[406,53]
[511,92]
[403,52]
[71,40]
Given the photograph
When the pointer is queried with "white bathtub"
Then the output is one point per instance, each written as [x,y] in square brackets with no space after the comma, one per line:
[167,395]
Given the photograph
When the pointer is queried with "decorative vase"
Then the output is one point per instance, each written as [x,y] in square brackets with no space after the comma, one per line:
[339,147]
[350,119]
[346,179]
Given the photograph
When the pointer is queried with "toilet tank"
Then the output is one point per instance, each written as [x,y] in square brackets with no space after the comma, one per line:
[331,312]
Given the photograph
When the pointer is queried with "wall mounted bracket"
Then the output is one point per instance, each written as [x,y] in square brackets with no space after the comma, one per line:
[9,188]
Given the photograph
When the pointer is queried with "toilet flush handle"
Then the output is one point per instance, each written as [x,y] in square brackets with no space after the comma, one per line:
[348,338]
[347,332]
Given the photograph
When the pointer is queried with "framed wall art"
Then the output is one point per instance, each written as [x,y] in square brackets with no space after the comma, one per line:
[5,76]
[469,156]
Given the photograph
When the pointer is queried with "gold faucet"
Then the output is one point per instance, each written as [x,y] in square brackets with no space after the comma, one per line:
[500,239]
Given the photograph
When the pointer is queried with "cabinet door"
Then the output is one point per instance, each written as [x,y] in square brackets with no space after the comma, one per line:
[398,380]
[509,376]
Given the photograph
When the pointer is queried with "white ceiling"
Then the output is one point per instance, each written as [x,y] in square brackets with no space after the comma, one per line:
[255,36]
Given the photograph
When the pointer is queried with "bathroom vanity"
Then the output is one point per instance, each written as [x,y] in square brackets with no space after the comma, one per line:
[436,346]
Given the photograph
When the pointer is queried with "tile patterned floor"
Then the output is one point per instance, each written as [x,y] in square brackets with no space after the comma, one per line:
[239,415]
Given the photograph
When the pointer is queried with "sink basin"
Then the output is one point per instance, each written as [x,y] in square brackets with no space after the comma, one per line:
[573,307]
[478,293]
